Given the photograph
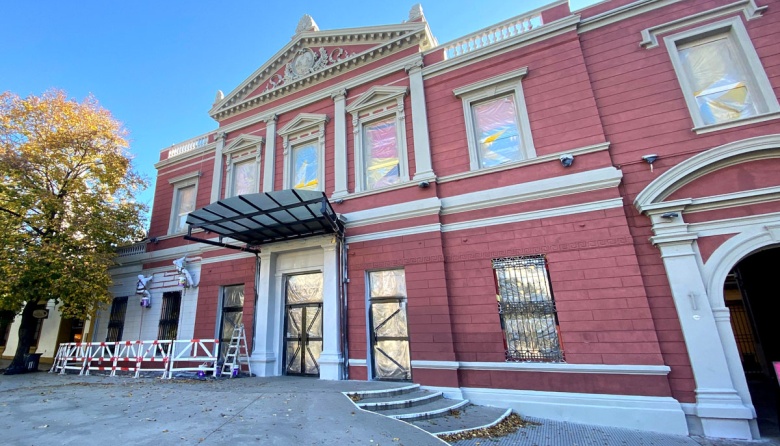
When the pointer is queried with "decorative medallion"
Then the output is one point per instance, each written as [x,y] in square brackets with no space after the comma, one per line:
[305,62]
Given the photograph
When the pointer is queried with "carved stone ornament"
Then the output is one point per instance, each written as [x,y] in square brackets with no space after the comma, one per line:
[416,13]
[306,23]
[305,62]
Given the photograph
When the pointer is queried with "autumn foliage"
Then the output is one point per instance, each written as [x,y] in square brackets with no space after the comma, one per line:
[66,204]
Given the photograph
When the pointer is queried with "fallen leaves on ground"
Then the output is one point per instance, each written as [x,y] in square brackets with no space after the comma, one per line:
[507,426]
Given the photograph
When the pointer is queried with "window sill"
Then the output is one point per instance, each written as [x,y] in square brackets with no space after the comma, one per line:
[737,123]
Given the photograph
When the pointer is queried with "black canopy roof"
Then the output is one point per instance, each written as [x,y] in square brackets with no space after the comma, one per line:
[257,219]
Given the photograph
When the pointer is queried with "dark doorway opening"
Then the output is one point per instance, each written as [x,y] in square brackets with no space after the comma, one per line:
[751,292]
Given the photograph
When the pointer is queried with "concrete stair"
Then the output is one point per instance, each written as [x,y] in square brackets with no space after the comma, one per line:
[428,410]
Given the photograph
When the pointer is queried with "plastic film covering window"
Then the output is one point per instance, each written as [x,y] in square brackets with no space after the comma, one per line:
[244,178]
[497,131]
[230,320]
[234,296]
[719,80]
[294,322]
[390,283]
[527,310]
[304,288]
[313,351]
[391,360]
[305,163]
[293,357]
[389,319]
[314,322]
[382,162]
[186,205]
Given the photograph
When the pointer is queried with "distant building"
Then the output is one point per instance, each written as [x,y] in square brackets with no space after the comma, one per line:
[572,214]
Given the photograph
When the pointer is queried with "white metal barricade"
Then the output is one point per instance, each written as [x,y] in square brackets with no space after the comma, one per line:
[154,356]
[192,355]
[74,357]
[57,362]
[101,357]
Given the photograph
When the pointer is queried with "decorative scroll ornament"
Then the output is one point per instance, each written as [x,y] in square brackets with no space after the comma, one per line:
[141,288]
[306,62]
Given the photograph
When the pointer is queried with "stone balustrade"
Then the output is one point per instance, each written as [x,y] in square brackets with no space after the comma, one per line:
[494,34]
[186,146]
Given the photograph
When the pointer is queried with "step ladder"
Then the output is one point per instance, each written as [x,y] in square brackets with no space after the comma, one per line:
[237,355]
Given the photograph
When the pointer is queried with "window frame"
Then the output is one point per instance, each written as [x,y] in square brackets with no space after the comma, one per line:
[547,309]
[507,84]
[222,310]
[180,183]
[164,325]
[238,152]
[118,323]
[377,104]
[303,130]
[766,103]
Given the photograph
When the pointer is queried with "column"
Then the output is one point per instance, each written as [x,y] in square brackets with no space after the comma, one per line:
[270,153]
[422,145]
[331,360]
[718,405]
[216,179]
[340,138]
[264,354]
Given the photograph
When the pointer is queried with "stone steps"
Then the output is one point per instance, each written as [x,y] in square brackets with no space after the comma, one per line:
[428,410]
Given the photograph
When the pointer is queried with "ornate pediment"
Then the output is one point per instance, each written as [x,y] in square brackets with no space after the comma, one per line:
[242,142]
[375,96]
[313,56]
[302,122]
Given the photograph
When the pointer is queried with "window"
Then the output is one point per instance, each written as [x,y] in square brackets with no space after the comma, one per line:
[527,309]
[303,140]
[232,314]
[185,190]
[382,167]
[389,328]
[116,319]
[378,120]
[243,165]
[497,127]
[244,178]
[720,74]
[305,167]
[169,316]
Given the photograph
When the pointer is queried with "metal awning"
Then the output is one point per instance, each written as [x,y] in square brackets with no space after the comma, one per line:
[257,219]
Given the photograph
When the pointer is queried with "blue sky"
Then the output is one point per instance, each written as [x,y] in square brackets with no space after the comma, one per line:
[157,65]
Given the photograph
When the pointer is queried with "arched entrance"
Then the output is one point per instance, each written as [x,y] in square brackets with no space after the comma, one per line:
[751,293]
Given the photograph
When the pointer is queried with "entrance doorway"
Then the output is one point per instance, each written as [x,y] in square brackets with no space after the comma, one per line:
[303,324]
[751,293]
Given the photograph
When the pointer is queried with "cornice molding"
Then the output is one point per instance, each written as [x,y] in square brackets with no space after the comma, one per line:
[185,156]
[395,212]
[621,13]
[604,178]
[548,30]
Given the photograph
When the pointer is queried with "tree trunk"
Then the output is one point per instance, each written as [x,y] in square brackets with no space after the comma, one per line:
[25,335]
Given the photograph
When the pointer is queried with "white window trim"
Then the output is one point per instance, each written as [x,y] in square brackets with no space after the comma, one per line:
[236,154]
[501,85]
[305,128]
[179,183]
[377,102]
[764,96]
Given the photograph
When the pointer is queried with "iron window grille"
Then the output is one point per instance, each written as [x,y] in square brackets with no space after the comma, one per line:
[116,321]
[169,316]
[527,309]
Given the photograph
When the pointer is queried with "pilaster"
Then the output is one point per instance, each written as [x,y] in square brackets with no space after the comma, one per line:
[270,153]
[216,179]
[264,358]
[340,139]
[331,359]
[422,145]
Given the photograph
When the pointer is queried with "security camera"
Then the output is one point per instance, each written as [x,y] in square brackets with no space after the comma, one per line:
[424,184]
[154,240]
[338,200]
[650,159]
[567,160]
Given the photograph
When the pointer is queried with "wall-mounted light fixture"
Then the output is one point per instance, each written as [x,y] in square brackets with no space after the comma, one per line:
[650,159]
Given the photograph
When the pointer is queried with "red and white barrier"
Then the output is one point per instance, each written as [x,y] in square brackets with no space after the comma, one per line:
[138,356]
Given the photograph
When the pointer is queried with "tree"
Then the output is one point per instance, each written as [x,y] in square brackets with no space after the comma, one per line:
[66,204]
